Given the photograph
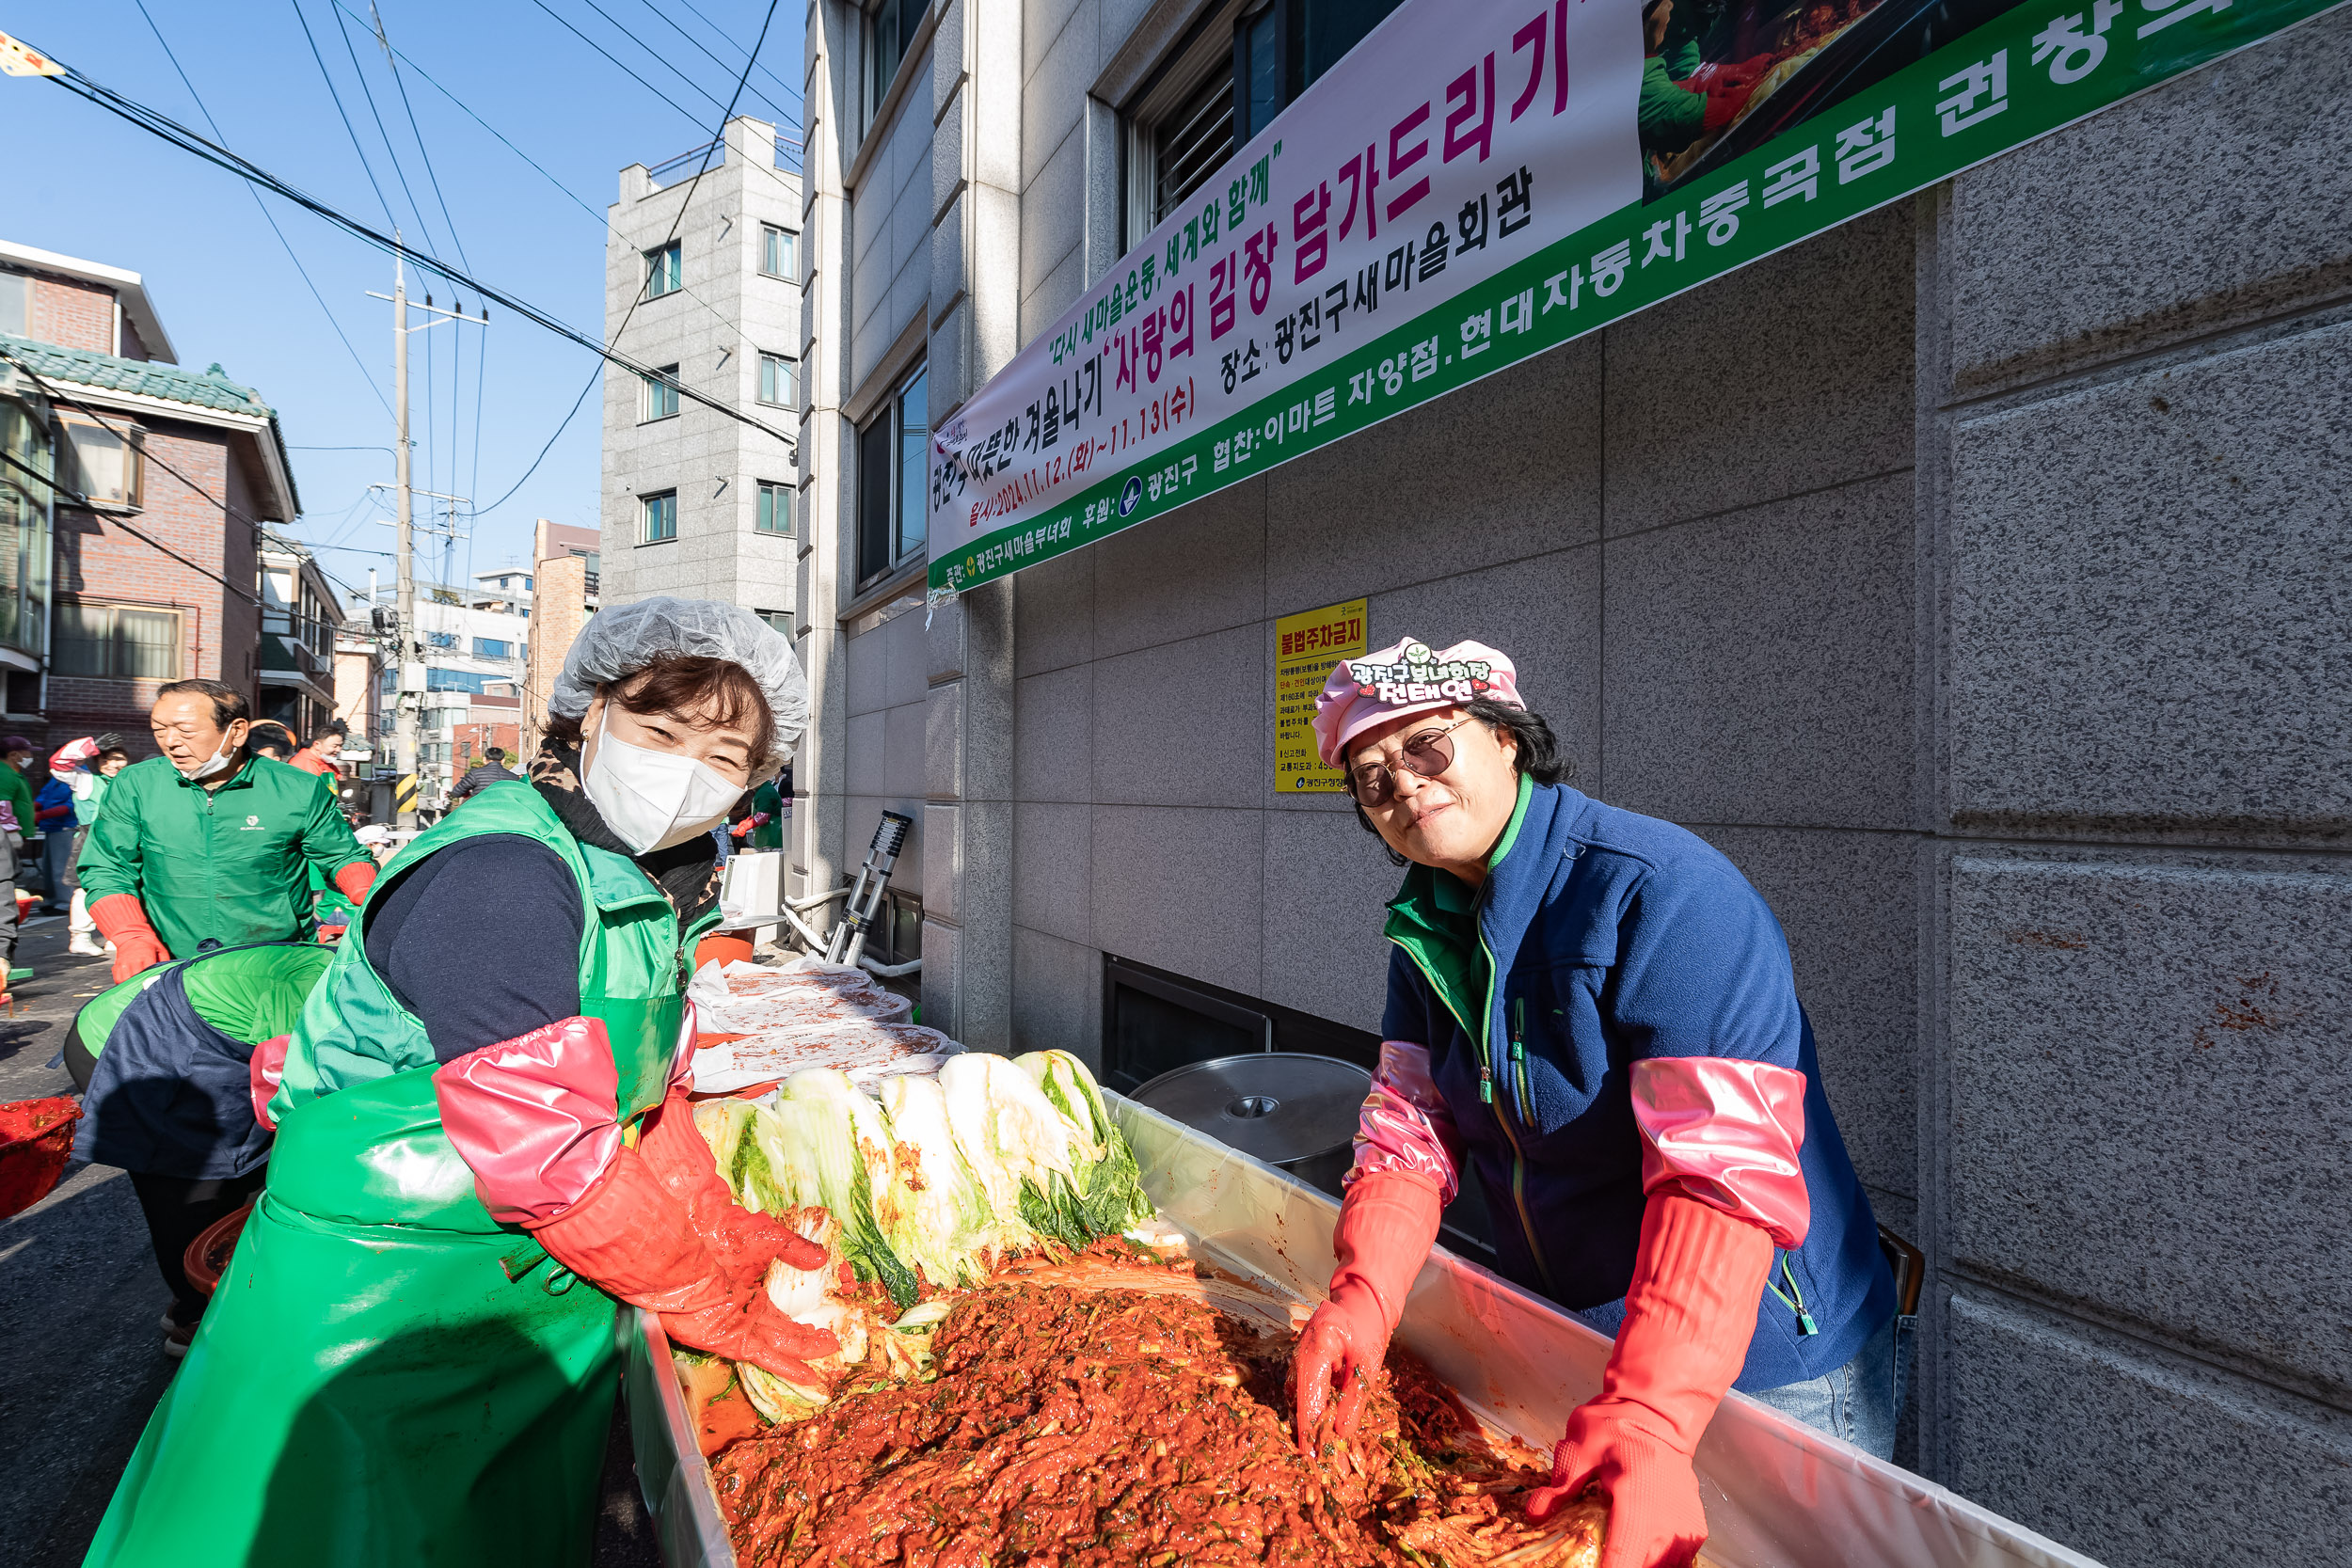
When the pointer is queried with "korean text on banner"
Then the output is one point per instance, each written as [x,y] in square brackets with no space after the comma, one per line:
[1448,200]
[1448,145]
[1306,645]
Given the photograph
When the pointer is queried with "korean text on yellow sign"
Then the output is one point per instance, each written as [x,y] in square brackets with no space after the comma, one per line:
[1306,645]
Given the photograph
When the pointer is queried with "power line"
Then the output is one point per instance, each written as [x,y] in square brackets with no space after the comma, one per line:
[365,168]
[630,315]
[266,216]
[410,62]
[783,114]
[698,16]
[632,75]
[393,66]
[367,92]
[169,130]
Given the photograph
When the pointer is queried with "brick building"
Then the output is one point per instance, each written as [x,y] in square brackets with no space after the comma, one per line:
[148,544]
[566,575]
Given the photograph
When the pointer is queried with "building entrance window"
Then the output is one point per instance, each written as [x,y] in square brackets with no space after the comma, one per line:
[893,479]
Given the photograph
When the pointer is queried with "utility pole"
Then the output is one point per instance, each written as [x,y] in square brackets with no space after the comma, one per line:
[410,693]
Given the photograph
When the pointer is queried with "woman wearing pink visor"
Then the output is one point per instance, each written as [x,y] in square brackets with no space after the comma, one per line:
[1594,1013]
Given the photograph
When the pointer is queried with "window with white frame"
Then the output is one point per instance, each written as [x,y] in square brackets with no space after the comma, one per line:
[780,619]
[102,464]
[780,253]
[660,400]
[658,516]
[775,508]
[665,270]
[780,380]
[122,640]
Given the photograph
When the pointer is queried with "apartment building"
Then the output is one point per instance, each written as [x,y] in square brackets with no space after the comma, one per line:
[301,617]
[703,276]
[139,563]
[1964,573]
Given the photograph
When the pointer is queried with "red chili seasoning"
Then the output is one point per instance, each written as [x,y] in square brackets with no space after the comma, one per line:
[1085,1429]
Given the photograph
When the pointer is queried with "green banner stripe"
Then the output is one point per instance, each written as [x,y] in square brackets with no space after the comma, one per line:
[1552,297]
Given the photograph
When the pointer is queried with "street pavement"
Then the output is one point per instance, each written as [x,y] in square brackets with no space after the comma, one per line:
[81,1359]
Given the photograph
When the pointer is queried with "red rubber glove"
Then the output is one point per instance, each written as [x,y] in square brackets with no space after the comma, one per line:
[1689,1314]
[631,1238]
[743,1242]
[1724,101]
[121,919]
[1387,1224]
[354,880]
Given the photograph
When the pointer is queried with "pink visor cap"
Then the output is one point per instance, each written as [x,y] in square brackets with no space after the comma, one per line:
[1406,678]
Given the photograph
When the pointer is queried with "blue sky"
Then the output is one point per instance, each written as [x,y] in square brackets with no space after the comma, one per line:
[86,184]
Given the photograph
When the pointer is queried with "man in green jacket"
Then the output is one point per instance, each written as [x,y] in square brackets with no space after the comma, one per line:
[209,846]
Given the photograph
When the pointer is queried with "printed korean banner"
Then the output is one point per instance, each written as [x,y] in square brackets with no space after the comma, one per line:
[1306,645]
[1480,181]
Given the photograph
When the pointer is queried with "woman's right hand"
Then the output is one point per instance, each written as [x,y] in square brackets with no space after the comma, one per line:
[1345,1342]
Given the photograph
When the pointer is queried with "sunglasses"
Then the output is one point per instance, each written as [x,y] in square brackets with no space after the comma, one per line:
[1427,755]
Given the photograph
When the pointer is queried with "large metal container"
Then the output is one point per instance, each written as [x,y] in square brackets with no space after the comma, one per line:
[1779,1494]
[1295,1111]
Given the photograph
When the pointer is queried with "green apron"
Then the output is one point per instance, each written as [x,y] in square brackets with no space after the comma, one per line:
[386,1375]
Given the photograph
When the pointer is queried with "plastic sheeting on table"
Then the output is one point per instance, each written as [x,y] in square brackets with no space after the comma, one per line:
[1778,1493]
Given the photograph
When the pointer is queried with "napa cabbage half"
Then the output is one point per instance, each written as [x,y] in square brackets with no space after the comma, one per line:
[944,1222]
[1019,1146]
[826,1144]
[1105,1176]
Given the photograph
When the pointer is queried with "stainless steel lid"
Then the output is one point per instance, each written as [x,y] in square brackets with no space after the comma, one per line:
[1278,1106]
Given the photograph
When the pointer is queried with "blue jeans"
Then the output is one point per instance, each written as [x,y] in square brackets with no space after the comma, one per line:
[1860,1401]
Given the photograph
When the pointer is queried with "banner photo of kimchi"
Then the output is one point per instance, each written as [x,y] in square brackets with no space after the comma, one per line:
[1480,181]
[1721,77]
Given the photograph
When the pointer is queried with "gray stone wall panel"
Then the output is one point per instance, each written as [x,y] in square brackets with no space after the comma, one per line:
[2151,581]
[1760,663]
[1327,880]
[1053,888]
[1848,903]
[2147,1073]
[1787,377]
[1184,724]
[2217,198]
[1200,568]
[1057,996]
[2136,1458]
[1053,736]
[1181,888]
[1504,469]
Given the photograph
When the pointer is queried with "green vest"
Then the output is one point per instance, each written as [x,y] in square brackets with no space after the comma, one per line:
[358,1050]
[406,1381]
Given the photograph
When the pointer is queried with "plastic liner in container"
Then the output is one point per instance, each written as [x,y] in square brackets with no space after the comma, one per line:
[1778,1493]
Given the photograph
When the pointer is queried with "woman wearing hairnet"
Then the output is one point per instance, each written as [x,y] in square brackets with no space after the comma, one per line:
[483,1147]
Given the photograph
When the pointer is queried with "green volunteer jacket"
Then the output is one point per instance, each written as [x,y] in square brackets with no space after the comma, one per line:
[19,794]
[1668,115]
[230,865]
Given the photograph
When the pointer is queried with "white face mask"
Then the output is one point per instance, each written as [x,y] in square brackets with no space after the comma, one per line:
[217,763]
[653,799]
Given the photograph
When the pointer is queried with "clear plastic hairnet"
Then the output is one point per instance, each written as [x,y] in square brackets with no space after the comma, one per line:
[617,642]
